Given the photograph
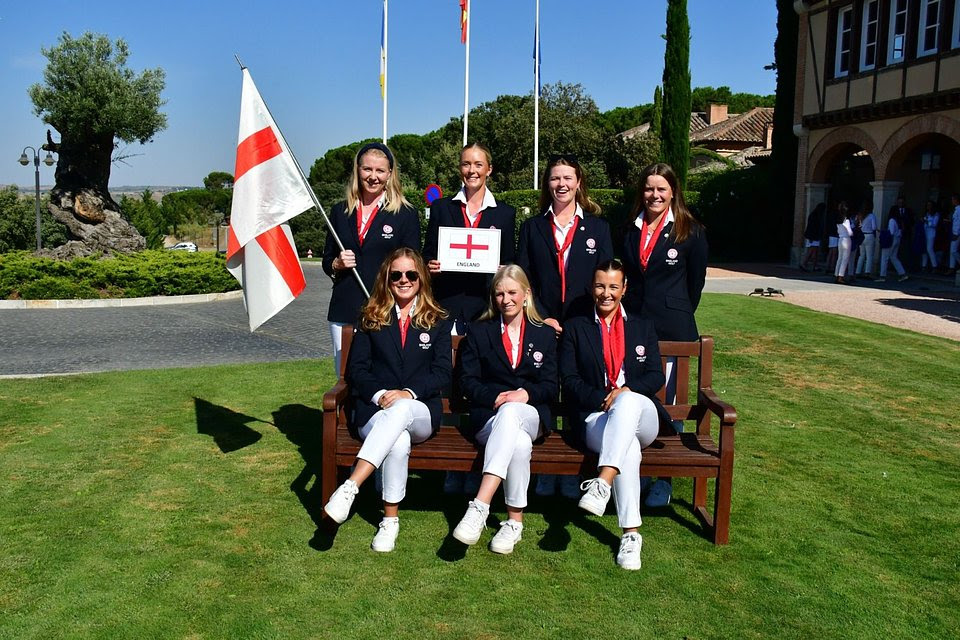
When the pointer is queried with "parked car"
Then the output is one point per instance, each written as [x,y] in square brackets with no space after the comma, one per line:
[184,246]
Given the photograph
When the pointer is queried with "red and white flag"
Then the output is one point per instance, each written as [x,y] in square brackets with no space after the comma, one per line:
[268,190]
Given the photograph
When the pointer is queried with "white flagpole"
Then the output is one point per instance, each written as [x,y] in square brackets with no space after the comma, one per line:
[385,61]
[536,98]
[466,79]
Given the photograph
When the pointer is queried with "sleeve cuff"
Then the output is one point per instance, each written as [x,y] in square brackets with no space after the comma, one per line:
[411,392]
[376,397]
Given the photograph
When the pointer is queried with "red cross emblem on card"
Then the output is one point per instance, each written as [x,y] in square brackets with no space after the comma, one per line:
[469,246]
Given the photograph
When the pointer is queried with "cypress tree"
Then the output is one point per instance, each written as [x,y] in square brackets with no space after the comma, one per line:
[675,137]
[783,159]
[656,120]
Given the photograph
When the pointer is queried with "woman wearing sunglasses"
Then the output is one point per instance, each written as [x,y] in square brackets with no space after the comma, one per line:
[400,362]
[464,295]
[665,253]
[610,372]
[374,220]
[508,373]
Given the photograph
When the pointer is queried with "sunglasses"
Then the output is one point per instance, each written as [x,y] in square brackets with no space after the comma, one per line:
[412,276]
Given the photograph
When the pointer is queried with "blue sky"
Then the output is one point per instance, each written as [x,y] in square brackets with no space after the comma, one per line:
[317,63]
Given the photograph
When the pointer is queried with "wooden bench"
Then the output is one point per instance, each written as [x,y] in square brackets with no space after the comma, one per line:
[689,454]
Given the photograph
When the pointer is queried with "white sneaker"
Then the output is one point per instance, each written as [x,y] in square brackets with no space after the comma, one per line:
[546,484]
[473,523]
[507,537]
[386,538]
[628,557]
[596,497]
[660,493]
[338,507]
[569,486]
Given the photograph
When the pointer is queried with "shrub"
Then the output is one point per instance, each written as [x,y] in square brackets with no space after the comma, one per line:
[148,273]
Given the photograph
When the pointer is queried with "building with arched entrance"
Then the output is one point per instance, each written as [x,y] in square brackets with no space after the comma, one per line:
[877,105]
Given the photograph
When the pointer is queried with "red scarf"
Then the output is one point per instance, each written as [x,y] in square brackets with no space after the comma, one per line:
[403,330]
[361,228]
[560,251]
[613,347]
[644,230]
[508,346]
[466,218]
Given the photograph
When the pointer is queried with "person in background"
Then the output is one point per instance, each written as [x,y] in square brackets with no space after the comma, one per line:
[833,239]
[400,362]
[844,246]
[508,373]
[868,225]
[812,233]
[889,254]
[941,243]
[665,257]
[610,373]
[931,220]
[373,220]
[955,234]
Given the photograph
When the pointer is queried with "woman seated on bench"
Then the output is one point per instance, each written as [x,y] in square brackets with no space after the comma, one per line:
[508,372]
[610,370]
[396,373]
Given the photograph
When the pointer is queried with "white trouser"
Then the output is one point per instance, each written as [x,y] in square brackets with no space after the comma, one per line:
[930,255]
[618,435]
[890,255]
[670,390]
[507,438]
[865,262]
[954,253]
[336,337]
[387,439]
[843,257]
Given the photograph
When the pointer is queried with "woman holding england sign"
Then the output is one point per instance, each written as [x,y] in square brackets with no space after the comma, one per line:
[665,255]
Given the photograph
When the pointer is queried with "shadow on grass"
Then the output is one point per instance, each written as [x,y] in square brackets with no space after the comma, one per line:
[300,425]
[228,428]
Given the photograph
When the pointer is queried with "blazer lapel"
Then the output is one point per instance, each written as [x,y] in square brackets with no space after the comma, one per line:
[394,331]
[352,224]
[544,226]
[660,249]
[495,340]
[596,346]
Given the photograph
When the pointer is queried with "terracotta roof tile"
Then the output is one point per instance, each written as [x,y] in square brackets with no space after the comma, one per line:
[744,127]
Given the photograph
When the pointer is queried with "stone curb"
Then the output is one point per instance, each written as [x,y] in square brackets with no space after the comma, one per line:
[118,302]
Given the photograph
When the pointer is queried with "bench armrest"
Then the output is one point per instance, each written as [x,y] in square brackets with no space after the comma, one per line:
[724,411]
[336,397]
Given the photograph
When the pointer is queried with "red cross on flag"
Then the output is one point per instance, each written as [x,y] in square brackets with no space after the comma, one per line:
[268,190]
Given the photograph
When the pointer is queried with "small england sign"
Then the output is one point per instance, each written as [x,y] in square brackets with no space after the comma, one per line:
[468,250]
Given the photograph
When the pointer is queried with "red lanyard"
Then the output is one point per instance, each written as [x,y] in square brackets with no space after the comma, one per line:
[363,228]
[560,251]
[508,346]
[466,218]
[613,347]
[646,251]
[403,330]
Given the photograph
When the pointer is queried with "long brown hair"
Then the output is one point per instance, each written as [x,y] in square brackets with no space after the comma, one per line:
[583,196]
[683,221]
[517,274]
[378,311]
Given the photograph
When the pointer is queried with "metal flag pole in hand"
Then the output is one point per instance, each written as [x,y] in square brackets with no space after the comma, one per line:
[313,196]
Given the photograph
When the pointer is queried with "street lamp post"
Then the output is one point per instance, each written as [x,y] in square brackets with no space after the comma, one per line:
[25,160]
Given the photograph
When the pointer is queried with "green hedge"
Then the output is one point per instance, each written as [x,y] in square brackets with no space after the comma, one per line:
[148,273]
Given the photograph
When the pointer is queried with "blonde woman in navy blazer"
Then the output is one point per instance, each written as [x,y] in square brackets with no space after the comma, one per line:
[464,295]
[508,373]
[611,395]
[667,278]
[400,362]
[565,210]
[374,220]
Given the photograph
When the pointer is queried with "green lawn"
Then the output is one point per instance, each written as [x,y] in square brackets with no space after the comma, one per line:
[181,503]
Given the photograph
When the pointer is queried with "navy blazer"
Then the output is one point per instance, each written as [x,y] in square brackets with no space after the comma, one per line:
[424,365]
[485,370]
[582,369]
[537,254]
[668,292]
[465,295]
[388,231]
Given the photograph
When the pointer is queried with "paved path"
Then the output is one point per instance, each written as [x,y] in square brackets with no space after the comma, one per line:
[45,341]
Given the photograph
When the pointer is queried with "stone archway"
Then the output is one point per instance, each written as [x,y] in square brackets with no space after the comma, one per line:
[901,142]
[836,144]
